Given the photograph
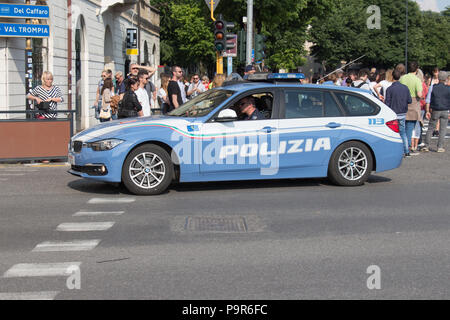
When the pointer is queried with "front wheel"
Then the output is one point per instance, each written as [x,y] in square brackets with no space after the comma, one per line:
[350,164]
[147,170]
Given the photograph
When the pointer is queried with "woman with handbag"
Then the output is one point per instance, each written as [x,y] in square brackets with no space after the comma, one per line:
[47,96]
[107,91]
[129,106]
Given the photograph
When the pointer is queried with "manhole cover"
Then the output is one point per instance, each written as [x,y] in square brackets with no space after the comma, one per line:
[211,224]
[217,224]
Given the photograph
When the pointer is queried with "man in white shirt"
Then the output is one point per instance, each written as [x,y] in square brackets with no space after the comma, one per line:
[142,94]
[196,87]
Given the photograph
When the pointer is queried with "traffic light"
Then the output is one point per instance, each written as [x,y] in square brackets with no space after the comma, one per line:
[260,47]
[221,35]
[242,45]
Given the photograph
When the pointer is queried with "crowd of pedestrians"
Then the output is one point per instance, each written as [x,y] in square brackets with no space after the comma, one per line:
[412,95]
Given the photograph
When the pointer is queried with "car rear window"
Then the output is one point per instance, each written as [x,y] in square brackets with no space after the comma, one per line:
[356,106]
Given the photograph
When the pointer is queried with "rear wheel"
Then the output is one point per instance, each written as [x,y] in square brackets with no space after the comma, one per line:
[148,170]
[350,164]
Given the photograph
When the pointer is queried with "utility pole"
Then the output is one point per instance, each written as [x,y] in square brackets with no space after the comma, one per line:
[248,59]
[139,30]
[30,75]
[406,44]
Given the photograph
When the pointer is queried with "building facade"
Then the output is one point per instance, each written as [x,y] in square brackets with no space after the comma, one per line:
[98,32]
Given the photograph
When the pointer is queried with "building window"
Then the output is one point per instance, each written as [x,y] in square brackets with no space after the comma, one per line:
[38,60]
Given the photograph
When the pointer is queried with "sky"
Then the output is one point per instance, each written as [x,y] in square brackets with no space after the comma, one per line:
[433,5]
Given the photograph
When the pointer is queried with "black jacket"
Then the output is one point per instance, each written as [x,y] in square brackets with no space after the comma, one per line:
[440,97]
[129,106]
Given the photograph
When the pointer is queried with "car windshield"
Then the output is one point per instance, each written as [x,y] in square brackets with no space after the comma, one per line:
[202,104]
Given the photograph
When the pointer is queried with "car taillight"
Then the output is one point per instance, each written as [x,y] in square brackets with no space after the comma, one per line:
[393,125]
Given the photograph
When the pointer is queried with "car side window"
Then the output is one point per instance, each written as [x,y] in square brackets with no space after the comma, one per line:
[263,104]
[356,106]
[310,104]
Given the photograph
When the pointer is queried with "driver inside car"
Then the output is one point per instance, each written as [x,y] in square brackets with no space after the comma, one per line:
[248,109]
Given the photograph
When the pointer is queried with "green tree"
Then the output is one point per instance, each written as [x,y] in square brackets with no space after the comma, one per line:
[284,22]
[436,40]
[186,34]
[343,34]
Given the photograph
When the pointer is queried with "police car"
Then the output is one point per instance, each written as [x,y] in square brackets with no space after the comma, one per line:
[302,131]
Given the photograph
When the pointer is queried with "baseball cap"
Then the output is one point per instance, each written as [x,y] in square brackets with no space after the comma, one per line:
[442,76]
[249,68]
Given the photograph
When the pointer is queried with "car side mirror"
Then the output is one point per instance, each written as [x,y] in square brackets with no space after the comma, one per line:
[226,116]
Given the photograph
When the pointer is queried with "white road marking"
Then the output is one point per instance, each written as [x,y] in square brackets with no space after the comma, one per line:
[3,179]
[110,200]
[74,245]
[97,213]
[11,174]
[40,269]
[43,295]
[85,226]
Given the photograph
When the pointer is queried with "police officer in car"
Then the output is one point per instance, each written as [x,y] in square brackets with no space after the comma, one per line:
[248,109]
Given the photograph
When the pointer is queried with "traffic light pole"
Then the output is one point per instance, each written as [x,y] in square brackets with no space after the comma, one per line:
[248,59]
[219,63]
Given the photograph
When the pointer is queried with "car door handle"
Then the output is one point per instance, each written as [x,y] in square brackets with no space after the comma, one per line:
[268,129]
[333,125]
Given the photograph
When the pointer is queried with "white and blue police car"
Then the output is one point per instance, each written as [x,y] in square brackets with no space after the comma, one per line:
[302,131]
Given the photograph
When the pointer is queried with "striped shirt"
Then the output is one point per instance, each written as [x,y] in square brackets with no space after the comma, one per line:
[43,94]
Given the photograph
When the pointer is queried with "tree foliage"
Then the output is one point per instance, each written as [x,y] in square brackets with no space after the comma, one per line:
[187,29]
[343,35]
[338,29]
[186,36]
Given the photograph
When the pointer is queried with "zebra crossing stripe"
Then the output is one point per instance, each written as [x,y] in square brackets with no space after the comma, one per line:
[85,226]
[41,269]
[97,213]
[110,200]
[42,295]
[74,245]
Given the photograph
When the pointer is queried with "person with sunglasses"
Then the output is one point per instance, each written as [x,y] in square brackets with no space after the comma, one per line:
[247,106]
[196,87]
[134,70]
[106,74]
[174,90]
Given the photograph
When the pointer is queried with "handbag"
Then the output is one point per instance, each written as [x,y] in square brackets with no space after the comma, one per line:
[44,106]
[105,114]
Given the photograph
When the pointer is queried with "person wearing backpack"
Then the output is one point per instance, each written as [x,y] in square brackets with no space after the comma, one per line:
[362,83]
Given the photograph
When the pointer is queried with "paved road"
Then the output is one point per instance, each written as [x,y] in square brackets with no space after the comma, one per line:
[291,239]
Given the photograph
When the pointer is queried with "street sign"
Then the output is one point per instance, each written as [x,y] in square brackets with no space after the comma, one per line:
[24,11]
[24,30]
[231,52]
[132,42]
[215,3]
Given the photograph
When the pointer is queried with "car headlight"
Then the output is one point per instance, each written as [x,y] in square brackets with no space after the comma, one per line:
[104,145]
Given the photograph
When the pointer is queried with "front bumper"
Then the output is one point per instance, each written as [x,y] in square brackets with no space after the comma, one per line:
[90,169]
[99,165]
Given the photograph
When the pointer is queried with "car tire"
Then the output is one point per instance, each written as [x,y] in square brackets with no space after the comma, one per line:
[350,164]
[147,170]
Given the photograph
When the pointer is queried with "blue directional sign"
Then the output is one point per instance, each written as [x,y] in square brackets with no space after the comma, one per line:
[24,30]
[24,11]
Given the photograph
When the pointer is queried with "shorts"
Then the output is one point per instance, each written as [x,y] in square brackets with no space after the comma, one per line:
[416,131]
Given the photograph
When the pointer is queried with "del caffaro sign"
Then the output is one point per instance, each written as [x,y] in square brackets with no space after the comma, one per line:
[24,11]
[24,30]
